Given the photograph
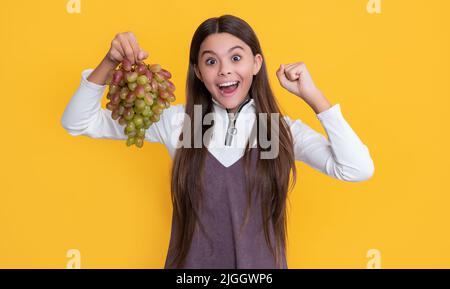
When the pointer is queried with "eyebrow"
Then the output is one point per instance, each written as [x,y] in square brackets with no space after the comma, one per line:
[229,50]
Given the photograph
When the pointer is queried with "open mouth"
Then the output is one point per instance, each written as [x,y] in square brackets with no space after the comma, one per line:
[228,89]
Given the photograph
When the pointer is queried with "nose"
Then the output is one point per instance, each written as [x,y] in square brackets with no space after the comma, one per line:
[224,70]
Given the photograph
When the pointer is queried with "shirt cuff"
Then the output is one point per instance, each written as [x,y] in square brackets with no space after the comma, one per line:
[86,83]
[332,112]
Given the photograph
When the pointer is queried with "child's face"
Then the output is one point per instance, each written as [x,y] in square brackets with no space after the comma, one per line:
[224,64]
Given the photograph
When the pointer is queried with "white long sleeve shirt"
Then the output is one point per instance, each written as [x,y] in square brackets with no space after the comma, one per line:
[343,156]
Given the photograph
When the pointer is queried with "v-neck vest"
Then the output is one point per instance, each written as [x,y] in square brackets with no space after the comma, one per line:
[222,214]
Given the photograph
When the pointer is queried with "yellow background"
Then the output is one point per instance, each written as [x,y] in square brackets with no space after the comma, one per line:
[389,72]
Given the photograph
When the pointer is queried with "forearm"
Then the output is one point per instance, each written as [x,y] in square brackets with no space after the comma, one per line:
[318,102]
[100,73]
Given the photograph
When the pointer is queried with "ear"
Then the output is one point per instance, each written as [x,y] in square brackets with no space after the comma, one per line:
[257,64]
[197,72]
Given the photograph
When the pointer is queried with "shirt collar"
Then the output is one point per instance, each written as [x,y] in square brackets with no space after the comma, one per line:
[248,105]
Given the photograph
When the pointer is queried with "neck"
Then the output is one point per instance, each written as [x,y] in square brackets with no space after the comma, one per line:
[233,110]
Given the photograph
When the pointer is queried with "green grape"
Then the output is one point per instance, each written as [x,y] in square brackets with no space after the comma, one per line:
[155,68]
[138,94]
[141,132]
[130,127]
[131,76]
[154,118]
[148,98]
[132,85]
[138,121]
[121,109]
[142,80]
[128,113]
[171,97]
[113,88]
[147,123]
[126,104]
[123,94]
[156,110]
[139,142]
[160,103]
[130,141]
[158,77]
[139,105]
[147,111]
[147,87]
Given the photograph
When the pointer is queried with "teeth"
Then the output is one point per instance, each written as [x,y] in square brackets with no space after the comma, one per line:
[228,83]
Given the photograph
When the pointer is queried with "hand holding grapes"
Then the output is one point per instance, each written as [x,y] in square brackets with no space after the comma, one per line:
[125,45]
[138,92]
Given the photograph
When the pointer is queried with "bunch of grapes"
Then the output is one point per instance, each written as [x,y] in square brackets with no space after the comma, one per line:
[137,95]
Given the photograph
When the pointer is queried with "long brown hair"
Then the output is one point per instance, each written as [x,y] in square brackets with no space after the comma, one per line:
[273,174]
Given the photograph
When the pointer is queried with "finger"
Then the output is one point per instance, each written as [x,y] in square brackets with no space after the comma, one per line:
[293,74]
[281,73]
[142,55]
[116,45]
[117,56]
[280,70]
[116,52]
[294,71]
[134,45]
[290,72]
[127,49]
[289,65]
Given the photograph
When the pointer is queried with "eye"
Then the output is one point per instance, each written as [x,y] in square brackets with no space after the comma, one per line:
[234,57]
[208,63]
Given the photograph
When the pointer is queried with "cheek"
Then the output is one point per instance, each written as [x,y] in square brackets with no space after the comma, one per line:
[247,76]
[208,76]
[210,84]
[246,71]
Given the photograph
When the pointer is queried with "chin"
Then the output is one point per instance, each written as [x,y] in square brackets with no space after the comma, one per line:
[230,103]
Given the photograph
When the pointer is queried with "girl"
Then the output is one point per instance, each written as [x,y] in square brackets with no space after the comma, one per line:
[228,202]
